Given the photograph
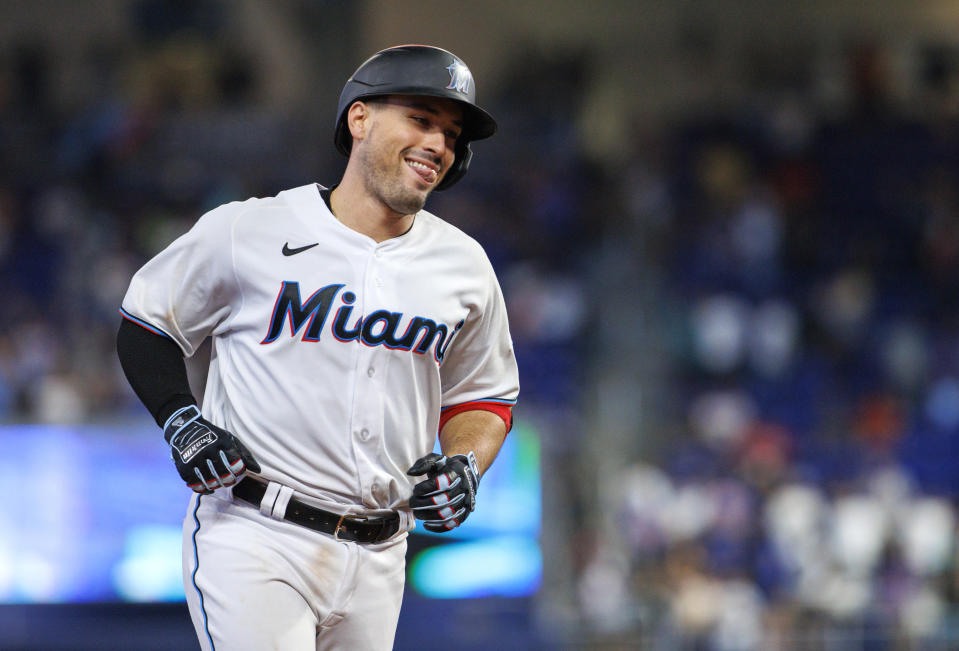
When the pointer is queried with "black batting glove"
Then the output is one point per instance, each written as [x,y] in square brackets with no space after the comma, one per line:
[206,456]
[448,494]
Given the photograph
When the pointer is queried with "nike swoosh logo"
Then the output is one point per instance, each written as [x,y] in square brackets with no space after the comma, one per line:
[288,251]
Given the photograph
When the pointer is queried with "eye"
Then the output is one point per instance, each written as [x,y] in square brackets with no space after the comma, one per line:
[420,120]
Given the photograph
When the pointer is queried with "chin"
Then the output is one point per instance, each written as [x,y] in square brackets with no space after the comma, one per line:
[408,204]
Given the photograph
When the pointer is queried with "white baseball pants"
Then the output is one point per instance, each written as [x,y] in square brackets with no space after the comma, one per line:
[255,583]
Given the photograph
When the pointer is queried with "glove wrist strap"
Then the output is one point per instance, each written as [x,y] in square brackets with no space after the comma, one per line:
[178,419]
[470,460]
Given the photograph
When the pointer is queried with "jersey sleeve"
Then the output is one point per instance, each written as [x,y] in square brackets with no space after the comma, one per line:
[189,289]
[479,370]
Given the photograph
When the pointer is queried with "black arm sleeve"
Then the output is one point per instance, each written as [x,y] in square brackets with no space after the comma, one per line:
[155,369]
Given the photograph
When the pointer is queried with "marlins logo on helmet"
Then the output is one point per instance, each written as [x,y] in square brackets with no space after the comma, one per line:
[460,77]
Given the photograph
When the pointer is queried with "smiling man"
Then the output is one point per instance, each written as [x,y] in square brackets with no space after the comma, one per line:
[402,145]
[350,328]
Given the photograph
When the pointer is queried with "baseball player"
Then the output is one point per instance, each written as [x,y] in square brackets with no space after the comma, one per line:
[349,329]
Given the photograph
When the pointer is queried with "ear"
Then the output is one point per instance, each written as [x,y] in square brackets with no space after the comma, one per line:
[358,119]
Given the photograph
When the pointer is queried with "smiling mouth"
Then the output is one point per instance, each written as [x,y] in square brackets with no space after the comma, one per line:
[425,172]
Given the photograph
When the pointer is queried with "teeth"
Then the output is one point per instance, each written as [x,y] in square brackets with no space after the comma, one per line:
[413,163]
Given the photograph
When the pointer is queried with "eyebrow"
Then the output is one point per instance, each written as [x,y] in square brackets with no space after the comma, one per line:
[420,106]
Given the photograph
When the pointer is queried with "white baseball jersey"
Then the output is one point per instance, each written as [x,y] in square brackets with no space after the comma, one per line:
[332,354]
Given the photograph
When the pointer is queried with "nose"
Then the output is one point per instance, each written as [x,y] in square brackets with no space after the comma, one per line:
[435,143]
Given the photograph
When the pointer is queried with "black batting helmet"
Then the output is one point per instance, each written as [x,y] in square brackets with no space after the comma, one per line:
[418,70]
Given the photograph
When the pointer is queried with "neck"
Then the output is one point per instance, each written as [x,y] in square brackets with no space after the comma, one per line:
[357,209]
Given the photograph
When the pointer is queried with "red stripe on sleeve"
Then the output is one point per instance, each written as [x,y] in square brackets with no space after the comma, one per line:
[503,411]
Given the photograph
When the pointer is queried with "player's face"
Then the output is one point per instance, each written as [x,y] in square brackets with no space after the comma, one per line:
[409,149]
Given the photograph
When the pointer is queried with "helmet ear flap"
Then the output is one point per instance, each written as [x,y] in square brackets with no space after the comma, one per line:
[460,165]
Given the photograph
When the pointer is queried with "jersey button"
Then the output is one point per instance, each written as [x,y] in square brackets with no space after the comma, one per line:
[371,371]
[364,434]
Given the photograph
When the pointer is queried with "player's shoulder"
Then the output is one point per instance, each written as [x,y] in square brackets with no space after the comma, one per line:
[227,215]
[446,235]
[239,208]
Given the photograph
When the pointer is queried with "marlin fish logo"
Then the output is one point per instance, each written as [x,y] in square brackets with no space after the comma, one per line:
[460,77]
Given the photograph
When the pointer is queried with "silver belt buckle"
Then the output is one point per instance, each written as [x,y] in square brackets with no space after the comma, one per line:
[339,525]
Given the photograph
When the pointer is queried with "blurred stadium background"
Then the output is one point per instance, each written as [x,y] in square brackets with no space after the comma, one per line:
[728,234]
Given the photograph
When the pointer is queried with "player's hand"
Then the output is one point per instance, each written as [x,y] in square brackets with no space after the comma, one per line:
[206,456]
[448,494]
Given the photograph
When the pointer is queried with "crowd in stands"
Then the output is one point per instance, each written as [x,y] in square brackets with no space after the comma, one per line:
[801,490]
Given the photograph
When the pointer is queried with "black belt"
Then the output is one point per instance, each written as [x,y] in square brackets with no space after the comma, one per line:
[341,527]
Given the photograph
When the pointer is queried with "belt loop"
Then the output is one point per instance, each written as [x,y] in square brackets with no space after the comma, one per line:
[282,500]
[269,497]
[405,523]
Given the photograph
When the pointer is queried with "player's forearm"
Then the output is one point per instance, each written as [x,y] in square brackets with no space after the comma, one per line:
[155,369]
[481,431]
